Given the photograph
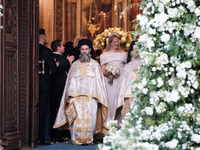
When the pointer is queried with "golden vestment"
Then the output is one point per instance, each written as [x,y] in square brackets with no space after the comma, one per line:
[85,83]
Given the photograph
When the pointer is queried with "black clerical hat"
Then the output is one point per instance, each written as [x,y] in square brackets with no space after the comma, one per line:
[85,42]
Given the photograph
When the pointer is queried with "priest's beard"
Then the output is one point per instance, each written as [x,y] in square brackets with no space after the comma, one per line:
[84,57]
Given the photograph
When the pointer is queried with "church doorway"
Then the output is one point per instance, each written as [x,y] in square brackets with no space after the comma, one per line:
[19,54]
[19,73]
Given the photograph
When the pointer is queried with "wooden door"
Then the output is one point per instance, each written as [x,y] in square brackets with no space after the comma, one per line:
[18,73]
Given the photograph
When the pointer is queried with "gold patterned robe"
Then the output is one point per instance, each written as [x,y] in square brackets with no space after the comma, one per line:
[85,84]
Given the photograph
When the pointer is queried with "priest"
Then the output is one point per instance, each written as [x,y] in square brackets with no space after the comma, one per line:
[85,89]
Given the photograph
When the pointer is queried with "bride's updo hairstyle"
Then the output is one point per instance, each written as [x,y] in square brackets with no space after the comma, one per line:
[110,39]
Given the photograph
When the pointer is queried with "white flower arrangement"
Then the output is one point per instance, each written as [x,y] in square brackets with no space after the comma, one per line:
[1,14]
[113,70]
[165,113]
[125,38]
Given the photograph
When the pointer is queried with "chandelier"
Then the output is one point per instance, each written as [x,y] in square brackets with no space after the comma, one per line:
[93,22]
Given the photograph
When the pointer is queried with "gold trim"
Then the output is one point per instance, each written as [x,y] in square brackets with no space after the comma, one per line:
[83,69]
[60,125]
[72,113]
[128,97]
[85,94]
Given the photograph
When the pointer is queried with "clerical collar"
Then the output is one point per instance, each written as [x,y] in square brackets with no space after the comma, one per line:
[57,53]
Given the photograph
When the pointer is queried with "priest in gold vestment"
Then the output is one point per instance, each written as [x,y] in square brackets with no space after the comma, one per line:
[85,88]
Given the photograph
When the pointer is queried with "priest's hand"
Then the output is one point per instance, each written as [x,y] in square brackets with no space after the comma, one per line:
[97,101]
[69,99]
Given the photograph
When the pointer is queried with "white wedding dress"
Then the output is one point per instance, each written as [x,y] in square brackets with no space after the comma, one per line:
[119,59]
[124,96]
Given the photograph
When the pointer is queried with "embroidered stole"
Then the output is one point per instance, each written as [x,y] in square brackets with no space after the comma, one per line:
[83,123]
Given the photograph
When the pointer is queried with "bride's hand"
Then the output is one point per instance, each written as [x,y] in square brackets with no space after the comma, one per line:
[110,76]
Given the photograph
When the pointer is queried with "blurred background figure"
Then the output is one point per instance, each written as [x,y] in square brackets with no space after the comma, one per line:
[124,96]
[47,64]
[75,45]
[69,49]
[130,50]
[58,79]
[98,52]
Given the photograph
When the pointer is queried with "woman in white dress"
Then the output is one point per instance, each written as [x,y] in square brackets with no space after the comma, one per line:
[114,55]
[124,96]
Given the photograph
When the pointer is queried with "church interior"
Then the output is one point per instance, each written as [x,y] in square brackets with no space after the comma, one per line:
[62,19]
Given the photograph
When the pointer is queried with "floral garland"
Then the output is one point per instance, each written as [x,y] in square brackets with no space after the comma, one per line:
[166,113]
[1,14]
[125,38]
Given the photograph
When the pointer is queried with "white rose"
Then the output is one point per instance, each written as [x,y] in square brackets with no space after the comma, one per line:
[144,82]
[197,32]
[171,69]
[171,82]
[154,69]
[174,95]
[187,64]
[161,18]
[172,12]
[150,43]
[153,82]
[197,11]
[196,138]
[165,37]
[165,1]
[160,82]
[161,8]
[144,91]
[172,144]
[156,2]
[152,31]
[149,111]
[181,109]
[195,84]
[143,38]
[106,147]
[184,91]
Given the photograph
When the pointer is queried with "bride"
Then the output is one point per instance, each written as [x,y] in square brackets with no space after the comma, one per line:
[115,56]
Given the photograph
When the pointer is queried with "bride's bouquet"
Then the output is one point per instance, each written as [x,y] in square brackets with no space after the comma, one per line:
[113,70]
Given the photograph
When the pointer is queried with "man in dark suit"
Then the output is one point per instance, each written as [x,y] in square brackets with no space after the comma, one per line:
[47,64]
[58,80]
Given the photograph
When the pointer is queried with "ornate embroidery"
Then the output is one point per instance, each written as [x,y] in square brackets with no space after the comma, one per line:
[83,123]
[83,69]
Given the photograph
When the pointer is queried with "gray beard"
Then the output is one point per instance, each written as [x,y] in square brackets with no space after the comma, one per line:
[84,57]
